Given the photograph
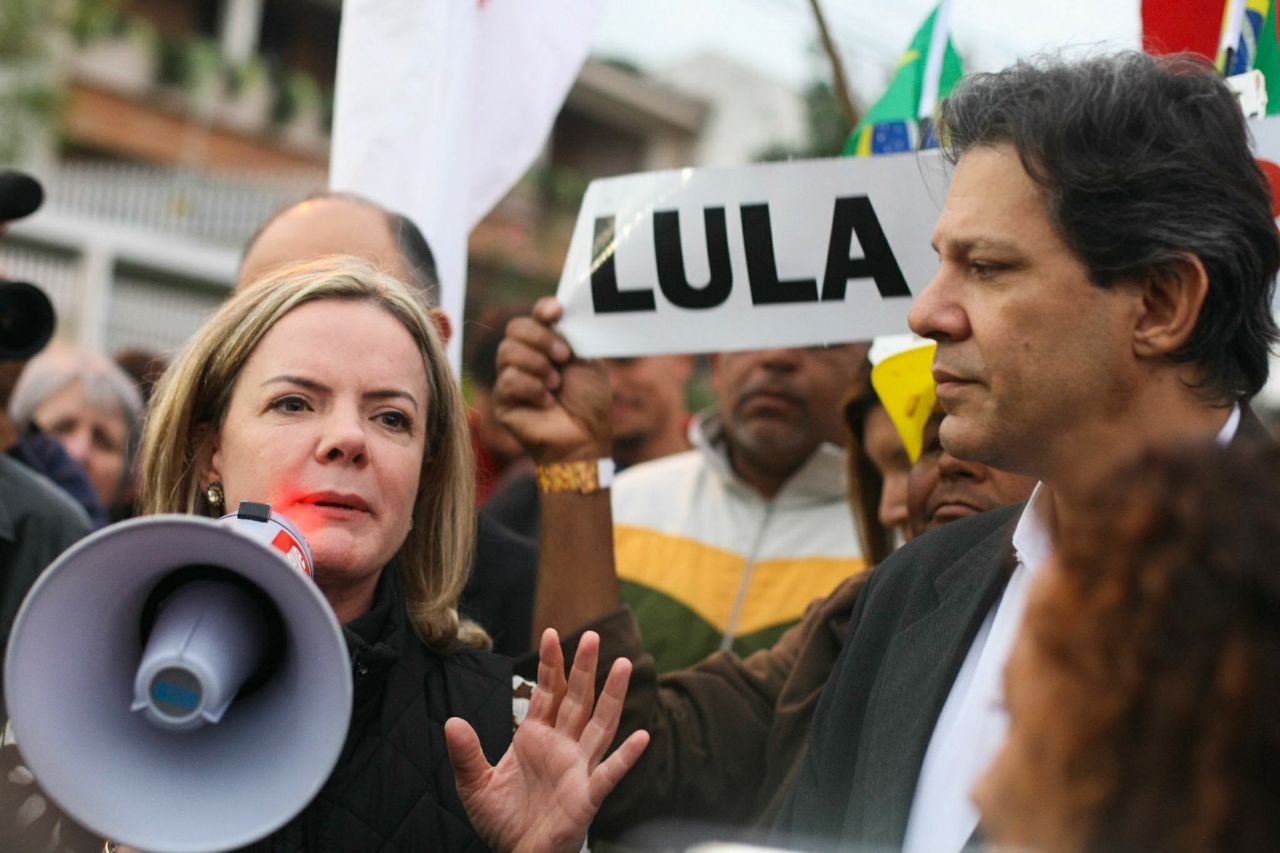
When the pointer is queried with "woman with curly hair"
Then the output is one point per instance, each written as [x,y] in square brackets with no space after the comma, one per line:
[1144,690]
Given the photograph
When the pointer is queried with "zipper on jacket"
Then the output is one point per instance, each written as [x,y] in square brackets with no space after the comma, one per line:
[726,642]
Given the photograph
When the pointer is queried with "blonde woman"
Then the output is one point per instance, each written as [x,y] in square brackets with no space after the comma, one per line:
[324,391]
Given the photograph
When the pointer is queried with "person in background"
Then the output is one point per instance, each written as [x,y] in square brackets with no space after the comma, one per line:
[499,457]
[144,366]
[499,594]
[1142,689]
[942,488]
[20,196]
[876,461]
[720,547]
[649,418]
[92,408]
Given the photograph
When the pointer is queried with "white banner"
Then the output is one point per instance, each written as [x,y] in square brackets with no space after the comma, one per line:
[772,255]
[441,105]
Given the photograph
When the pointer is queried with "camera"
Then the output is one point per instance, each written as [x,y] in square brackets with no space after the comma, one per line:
[26,319]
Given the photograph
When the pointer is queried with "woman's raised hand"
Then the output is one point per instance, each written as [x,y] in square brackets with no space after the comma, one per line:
[543,794]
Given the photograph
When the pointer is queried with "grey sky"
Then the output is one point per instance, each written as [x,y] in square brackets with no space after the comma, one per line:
[775,36]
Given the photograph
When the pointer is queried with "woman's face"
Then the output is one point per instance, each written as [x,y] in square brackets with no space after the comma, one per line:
[884,448]
[94,436]
[327,423]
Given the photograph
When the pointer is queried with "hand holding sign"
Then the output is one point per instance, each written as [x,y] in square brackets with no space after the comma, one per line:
[556,405]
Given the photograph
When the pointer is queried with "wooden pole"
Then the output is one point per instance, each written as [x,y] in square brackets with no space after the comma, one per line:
[839,81]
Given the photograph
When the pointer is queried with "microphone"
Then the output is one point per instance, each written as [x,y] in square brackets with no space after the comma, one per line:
[20,195]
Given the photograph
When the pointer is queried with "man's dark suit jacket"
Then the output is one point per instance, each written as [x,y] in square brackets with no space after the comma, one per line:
[908,636]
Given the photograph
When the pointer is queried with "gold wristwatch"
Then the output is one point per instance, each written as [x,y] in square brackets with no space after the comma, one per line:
[584,476]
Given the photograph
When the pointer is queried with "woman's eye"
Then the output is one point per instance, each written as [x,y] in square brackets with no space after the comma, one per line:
[289,405]
[394,420]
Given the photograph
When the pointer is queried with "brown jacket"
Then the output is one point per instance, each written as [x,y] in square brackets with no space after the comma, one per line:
[727,734]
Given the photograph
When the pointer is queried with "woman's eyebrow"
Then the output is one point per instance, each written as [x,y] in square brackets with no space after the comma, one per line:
[391,393]
[321,388]
[310,384]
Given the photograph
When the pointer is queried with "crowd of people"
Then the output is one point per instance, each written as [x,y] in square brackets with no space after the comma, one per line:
[1040,613]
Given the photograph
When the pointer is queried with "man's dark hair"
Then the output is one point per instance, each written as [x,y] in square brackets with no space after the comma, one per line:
[410,241]
[1143,161]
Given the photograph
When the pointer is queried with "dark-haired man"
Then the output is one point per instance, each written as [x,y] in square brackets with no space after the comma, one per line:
[499,594]
[726,733]
[1107,263]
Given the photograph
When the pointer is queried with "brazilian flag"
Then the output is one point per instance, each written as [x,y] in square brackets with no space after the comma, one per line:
[893,124]
[1257,48]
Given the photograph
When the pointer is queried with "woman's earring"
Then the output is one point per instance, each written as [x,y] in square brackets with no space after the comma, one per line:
[214,494]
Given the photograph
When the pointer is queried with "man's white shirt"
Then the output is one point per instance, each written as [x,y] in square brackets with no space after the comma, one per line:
[974,722]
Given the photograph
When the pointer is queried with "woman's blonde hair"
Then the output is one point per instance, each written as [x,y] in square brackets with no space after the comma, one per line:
[192,397]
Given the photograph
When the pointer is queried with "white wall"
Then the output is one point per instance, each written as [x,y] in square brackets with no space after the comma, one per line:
[749,111]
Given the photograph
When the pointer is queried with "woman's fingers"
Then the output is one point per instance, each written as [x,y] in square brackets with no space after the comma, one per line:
[575,711]
[546,700]
[470,767]
[599,733]
[609,773]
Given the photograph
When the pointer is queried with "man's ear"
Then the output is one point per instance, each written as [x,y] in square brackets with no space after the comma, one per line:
[444,327]
[1171,301]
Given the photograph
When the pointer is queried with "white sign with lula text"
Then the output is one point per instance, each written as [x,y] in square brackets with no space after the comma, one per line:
[800,253]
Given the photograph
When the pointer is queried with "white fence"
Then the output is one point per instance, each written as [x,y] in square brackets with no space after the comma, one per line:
[136,256]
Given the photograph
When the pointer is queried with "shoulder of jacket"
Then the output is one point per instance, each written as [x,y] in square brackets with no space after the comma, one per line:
[930,554]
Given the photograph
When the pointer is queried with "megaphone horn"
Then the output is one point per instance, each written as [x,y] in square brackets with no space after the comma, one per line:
[177,683]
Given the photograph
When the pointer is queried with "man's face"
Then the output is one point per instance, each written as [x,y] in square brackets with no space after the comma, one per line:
[1031,355]
[319,227]
[648,397]
[779,405]
[942,488]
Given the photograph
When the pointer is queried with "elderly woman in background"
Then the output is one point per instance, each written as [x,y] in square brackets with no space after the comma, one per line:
[93,409]
[325,392]
[1144,687]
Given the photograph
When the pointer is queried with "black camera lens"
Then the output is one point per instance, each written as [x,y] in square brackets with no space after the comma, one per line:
[26,319]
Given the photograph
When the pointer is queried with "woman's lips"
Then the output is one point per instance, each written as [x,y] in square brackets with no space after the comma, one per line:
[335,504]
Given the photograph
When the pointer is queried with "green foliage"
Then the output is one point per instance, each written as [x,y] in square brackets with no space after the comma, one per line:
[326,112]
[23,29]
[94,20]
[29,103]
[563,186]
[24,111]
[187,63]
[297,94]
[827,127]
[248,76]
